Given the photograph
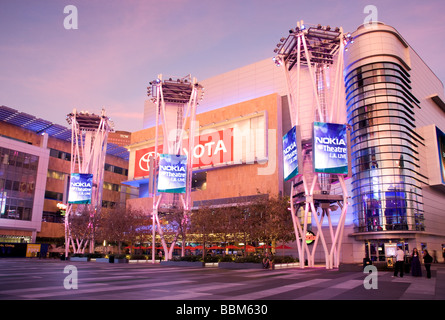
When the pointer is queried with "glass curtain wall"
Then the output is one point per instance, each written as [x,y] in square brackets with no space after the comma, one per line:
[18,173]
[385,186]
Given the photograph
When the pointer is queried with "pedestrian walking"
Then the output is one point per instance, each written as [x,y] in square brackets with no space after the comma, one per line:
[427,260]
[416,269]
[400,259]
[266,262]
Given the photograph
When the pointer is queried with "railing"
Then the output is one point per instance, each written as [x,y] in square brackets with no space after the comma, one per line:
[372,224]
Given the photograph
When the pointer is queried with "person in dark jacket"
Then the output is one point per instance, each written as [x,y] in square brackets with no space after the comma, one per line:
[416,269]
[427,260]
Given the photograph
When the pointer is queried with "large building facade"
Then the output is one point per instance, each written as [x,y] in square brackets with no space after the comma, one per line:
[394,104]
[35,157]
[394,107]
[234,159]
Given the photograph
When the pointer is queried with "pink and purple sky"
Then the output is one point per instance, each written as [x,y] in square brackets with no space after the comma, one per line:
[119,46]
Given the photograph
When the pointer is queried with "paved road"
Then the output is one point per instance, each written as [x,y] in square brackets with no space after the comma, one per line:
[34,279]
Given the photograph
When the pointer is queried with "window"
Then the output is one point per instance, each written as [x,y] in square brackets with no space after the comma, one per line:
[199,181]
[56,175]
[18,173]
[60,154]
[53,195]
[395,211]
[112,186]
[386,186]
[116,169]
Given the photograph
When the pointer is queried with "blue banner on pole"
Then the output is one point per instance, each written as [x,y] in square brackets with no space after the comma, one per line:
[172,173]
[290,154]
[81,186]
[330,149]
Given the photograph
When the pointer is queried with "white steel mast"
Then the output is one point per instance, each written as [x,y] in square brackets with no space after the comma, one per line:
[89,135]
[175,100]
[307,56]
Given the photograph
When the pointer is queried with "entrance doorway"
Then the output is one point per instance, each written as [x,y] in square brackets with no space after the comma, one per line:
[375,249]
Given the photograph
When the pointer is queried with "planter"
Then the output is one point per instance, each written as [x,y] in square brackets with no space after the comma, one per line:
[137,261]
[287,265]
[183,263]
[79,259]
[358,267]
[120,260]
[211,264]
[241,265]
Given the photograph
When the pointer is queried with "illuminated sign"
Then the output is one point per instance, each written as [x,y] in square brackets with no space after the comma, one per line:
[142,164]
[330,149]
[291,156]
[310,237]
[441,148]
[2,202]
[32,249]
[172,173]
[80,188]
[213,148]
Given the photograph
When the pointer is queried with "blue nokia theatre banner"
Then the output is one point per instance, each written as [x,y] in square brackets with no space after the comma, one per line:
[330,150]
[172,173]
[81,186]
[290,154]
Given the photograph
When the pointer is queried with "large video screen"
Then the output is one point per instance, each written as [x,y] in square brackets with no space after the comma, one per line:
[80,188]
[330,149]
[172,173]
[441,148]
[210,149]
[290,154]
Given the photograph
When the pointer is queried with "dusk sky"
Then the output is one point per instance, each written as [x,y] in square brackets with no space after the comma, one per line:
[119,46]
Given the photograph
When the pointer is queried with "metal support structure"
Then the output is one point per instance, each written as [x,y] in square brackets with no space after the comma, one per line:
[315,50]
[176,101]
[89,135]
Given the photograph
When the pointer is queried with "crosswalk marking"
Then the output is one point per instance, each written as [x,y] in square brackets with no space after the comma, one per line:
[175,283]
[350,284]
[100,289]
[422,286]
[277,290]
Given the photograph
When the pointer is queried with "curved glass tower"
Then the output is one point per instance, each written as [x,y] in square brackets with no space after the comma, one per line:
[386,192]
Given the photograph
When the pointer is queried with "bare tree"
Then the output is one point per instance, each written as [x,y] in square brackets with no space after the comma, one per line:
[139,226]
[274,223]
[225,223]
[82,225]
[175,224]
[123,224]
[203,225]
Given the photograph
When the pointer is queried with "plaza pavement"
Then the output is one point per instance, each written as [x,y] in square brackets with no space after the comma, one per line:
[43,279]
